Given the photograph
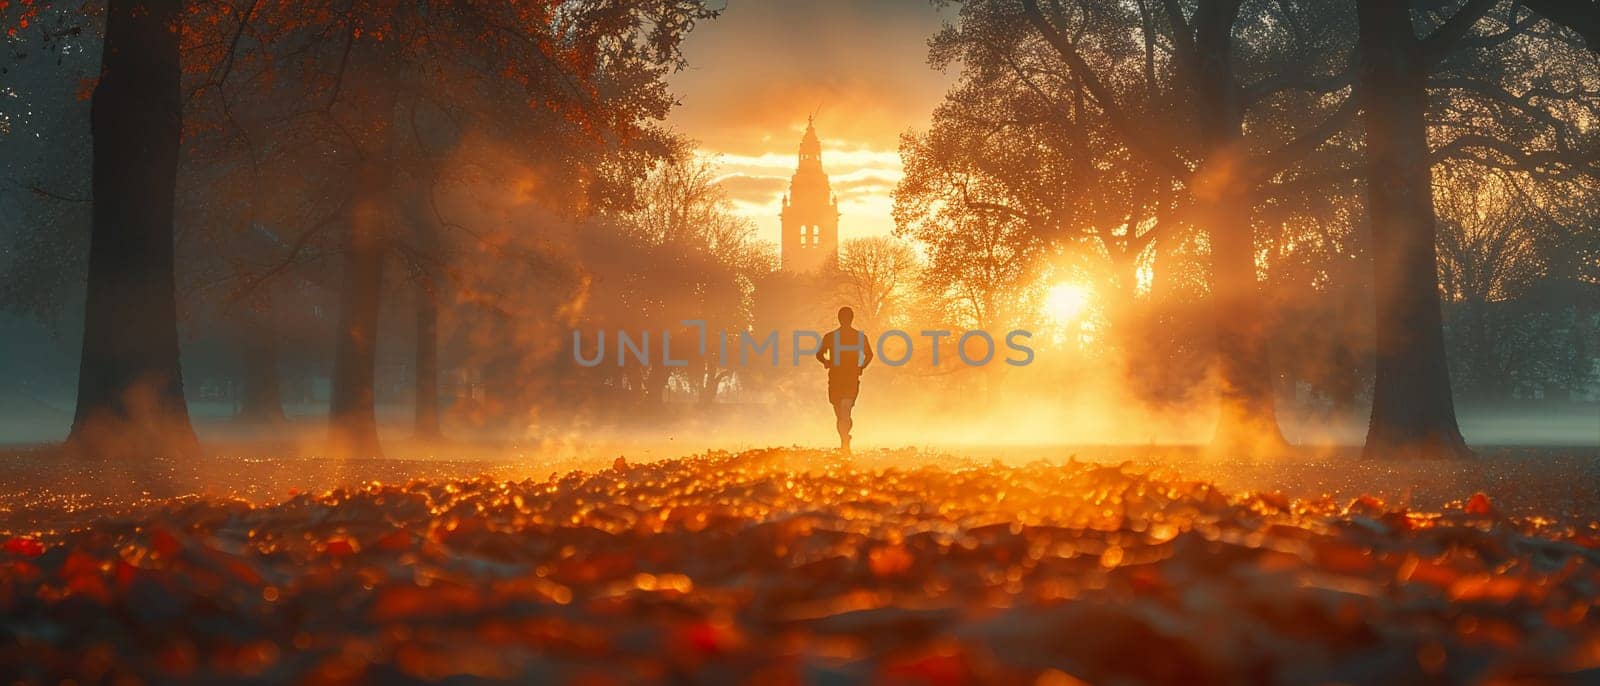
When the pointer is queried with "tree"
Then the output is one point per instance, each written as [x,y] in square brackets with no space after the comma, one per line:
[1171,90]
[1488,253]
[878,271]
[571,82]
[704,261]
[130,386]
[1504,113]
[1246,405]
[1580,16]
[427,293]
[262,390]
[1413,413]
[45,206]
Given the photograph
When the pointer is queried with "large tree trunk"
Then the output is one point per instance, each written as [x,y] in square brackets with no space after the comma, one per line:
[130,385]
[1247,418]
[427,362]
[263,392]
[413,194]
[1413,414]
[352,415]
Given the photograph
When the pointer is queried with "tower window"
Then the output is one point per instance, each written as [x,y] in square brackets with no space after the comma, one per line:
[810,235]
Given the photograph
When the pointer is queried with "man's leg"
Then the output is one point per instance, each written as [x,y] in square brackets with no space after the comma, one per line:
[841,413]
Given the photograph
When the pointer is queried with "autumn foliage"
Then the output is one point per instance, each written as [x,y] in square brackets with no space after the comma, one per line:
[777,566]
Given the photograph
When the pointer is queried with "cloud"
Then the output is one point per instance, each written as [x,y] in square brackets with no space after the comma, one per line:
[876,185]
[757,72]
[836,154]
[753,189]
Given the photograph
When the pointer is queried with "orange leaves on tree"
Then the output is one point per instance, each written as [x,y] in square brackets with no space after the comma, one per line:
[23,19]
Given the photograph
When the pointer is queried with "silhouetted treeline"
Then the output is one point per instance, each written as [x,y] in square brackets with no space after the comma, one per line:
[1271,206]
[1294,165]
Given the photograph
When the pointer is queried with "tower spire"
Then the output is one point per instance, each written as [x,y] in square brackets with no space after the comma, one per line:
[810,214]
[810,146]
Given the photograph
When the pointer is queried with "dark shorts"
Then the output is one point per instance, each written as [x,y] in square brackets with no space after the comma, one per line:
[841,387]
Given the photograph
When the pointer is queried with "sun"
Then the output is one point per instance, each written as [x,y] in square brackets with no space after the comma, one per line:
[1066,301]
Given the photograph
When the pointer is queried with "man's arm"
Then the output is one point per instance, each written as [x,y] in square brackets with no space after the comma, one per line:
[827,344]
[866,350]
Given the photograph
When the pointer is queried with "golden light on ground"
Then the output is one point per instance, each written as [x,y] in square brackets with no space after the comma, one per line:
[1066,302]
[723,567]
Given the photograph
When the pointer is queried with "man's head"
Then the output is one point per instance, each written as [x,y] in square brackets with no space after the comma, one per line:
[846,315]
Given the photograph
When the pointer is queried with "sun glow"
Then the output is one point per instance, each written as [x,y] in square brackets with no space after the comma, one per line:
[1065,302]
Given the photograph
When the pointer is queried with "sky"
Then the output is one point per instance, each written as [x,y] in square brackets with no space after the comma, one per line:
[758,71]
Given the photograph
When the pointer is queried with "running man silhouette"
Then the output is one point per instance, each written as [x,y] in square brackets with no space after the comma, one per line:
[845,352]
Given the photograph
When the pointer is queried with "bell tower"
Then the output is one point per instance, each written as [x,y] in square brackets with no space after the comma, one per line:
[810,212]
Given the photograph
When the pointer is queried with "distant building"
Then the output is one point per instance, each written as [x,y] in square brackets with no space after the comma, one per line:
[810,213]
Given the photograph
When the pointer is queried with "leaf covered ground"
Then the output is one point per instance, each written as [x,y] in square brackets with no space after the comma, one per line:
[794,566]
